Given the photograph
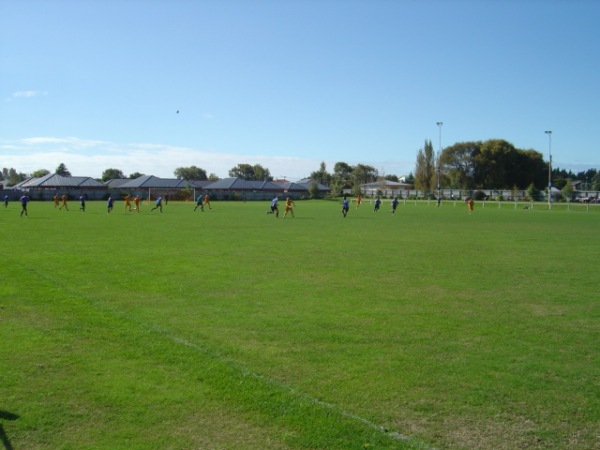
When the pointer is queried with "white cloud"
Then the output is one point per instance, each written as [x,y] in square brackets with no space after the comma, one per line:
[91,157]
[86,157]
[28,94]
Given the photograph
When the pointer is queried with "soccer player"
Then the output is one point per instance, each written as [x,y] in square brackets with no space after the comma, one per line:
[199,204]
[24,200]
[207,201]
[274,208]
[82,203]
[470,205]
[358,200]
[345,206]
[136,202]
[55,200]
[64,199]
[394,205]
[288,207]
[377,204]
[158,204]
[6,201]
[127,199]
[110,204]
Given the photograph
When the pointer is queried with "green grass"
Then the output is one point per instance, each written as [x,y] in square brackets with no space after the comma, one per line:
[231,329]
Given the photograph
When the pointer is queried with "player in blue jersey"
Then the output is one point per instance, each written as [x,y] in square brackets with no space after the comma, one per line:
[199,204]
[377,204]
[345,206]
[110,204]
[394,205]
[24,200]
[158,204]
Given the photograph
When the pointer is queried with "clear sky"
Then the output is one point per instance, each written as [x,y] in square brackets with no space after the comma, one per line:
[98,84]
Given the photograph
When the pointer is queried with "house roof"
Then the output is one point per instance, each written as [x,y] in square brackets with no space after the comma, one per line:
[238,184]
[53,180]
[117,182]
[150,181]
[308,182]
[199,183]
[384,183]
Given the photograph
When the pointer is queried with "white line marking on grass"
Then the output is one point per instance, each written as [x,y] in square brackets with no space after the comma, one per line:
[101,304]
[316,401]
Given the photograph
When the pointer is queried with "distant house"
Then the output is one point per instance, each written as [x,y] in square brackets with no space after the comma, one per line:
[44,188]
[385,188]
[149,187]
[304,186]
[237,188]
[116,183]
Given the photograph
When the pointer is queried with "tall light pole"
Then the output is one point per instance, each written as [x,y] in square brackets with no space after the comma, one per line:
[439,124]
[549,133]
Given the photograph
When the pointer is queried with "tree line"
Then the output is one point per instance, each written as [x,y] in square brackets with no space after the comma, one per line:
[491,164]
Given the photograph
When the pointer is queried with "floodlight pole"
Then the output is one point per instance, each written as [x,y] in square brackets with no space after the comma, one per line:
[549,133]
[439,124]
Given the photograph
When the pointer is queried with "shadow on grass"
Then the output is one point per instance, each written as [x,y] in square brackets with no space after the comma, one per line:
[5,415]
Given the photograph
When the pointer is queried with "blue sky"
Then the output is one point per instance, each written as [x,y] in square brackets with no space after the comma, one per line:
[288,84]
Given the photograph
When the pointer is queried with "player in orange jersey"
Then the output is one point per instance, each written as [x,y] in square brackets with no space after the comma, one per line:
[206,201]
[289,207]
[127,199]
[64,199]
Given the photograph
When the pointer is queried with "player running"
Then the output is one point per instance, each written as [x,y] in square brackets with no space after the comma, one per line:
[394,205]
[110,204]
[158,204]
[127,199]
[274,207]
[199,204]
[64,199]
[207,201]
[136,203]
[358,200]
[289,203]
[345,206]
[24,200]
[377,204]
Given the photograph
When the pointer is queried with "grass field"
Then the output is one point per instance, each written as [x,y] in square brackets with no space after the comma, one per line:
[231,329]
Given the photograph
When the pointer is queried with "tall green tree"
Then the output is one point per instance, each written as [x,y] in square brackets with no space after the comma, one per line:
[595,182]
[62,170]
[12,177]
[567,190]
[112,174]
[362,174]
[458,165]
[425,168]
[321,175]
[251,172]
[40,173]
[190,173]
[495,163]
[261,173]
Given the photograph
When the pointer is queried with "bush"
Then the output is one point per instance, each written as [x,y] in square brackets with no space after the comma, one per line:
[479,195]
